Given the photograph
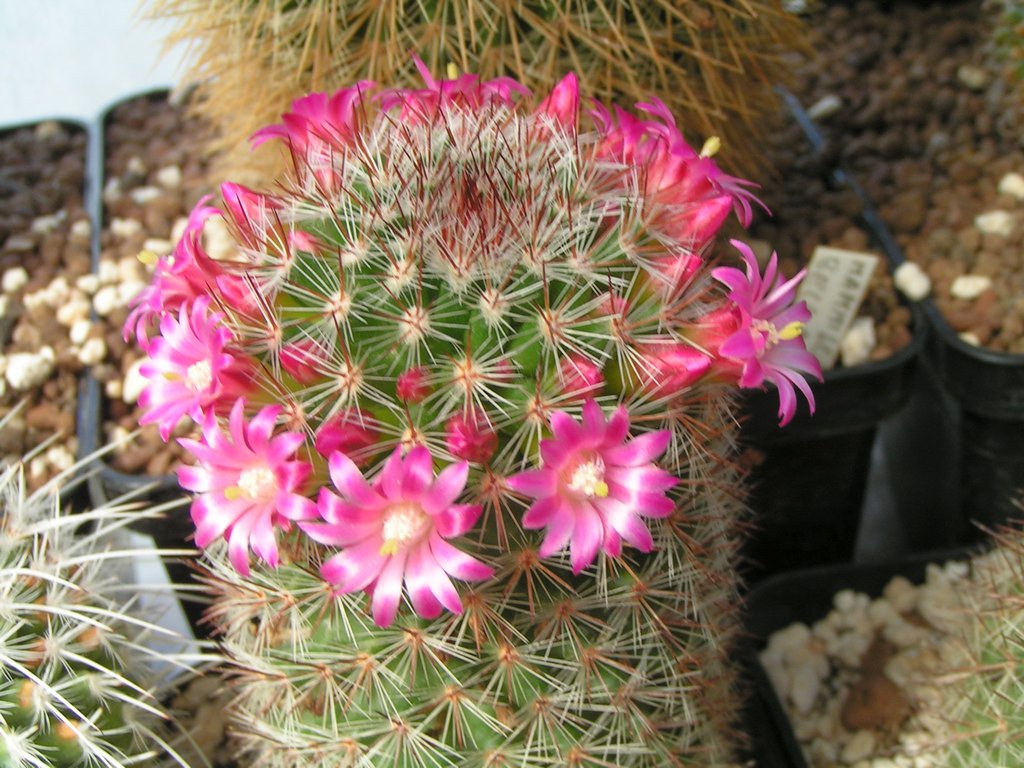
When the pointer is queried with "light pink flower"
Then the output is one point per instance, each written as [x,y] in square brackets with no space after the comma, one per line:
[423,105]
[248,485]
[767,345]
[396,531]
[595,488]
[188,369]
[580,377]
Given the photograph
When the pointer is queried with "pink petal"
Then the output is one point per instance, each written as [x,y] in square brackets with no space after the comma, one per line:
[263,541]
[355,568]
[593,423]
[417,582]
[649,478]
[295,507]
[391,475]
[446,489]
[566,429]
[458,563]
[586,537]
[342,512]
[387,592]
[417,473]
[618,427]
[209,521]
[541,511]
[350,481]
[457,519]
[559,531]
[646,504]
[640,450]
[626,523]
[238,543]
[537,483]
[555,453]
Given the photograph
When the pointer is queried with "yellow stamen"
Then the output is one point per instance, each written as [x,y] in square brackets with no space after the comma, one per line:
[711,147]
[389,547]
[148,257]
[791,331]
[452,70]
[601,489]
[232,492]
[172,376]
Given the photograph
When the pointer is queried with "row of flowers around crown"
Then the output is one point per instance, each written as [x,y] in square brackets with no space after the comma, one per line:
[595,485]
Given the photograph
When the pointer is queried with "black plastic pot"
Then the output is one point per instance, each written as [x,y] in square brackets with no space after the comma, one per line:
[822,461]
[107,482]
[807,596]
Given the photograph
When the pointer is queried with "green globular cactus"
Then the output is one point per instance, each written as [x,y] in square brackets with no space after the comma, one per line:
[472,340]
[78,687]
[987,718]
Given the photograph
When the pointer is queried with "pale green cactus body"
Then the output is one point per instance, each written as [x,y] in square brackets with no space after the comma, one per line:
[77,685]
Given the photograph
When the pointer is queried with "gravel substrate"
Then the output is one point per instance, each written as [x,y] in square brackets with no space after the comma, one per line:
[154,174]
[909,97]
[46,337]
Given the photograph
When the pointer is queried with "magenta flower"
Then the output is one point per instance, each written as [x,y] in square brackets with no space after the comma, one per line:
[594,487]
[351,431]
[319,122]
[396,531]
[188,369]
[579,377]
[467,90]
[767,345]
[668,366]
[468,436]
[248,485]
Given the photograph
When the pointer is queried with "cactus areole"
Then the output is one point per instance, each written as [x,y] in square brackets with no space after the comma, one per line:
[464,389]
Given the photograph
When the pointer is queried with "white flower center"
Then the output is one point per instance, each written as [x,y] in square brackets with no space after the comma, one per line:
[772,335]
[588,479]
[257,483]
[407,522]
[199,376]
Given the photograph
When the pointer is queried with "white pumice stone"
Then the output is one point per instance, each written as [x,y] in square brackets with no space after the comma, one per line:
[217,239]
[82,229]
[14,279]
[128,290]
[158,245]
[901,594]
[88,283]
[113,389]
[44,225]
[58,291]
[912,281]
[145,195]
[178,228]
[112,191]
[970,286]
[858,342]
[19,243]
[106,300]
[1012,184]
[859,747]
[73,310]
[92,351]
[825,107]
[996,222]
[974,77]
[60,458]
[969,338]
[36,299]
[80,329]
[130,268]
[137,166]
[107,272]
[134,382]
[804,689]
[125,228]
[169,177]
[26,370]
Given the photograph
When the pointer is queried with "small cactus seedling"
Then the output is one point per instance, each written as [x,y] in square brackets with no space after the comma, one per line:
[716,62]
[465,390]
[77,684]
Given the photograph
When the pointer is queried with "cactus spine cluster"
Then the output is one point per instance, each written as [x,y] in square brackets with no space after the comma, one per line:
[453,286]
[714,62]
[77,684]
[985,704]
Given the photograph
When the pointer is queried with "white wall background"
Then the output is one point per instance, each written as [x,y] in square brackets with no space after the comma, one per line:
[71,58]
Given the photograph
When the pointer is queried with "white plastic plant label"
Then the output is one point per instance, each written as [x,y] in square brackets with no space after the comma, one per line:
[834,289]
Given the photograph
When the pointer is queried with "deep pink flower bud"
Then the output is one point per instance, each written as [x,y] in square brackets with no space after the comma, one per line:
[351,432]
[412,386]
[669,367]
[248,210]
[673,272]
[471,438]
[563,103]
[580,377]
[303,360]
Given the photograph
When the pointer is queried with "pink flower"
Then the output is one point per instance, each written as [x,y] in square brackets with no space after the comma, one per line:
[319,122]
[188,369]
[250,211]
[563,103]
[304,360]
[396,531]
[671,366]
[248,485]
[767,345]
[469,436]
[467,90]
[352,432]
[594,488]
